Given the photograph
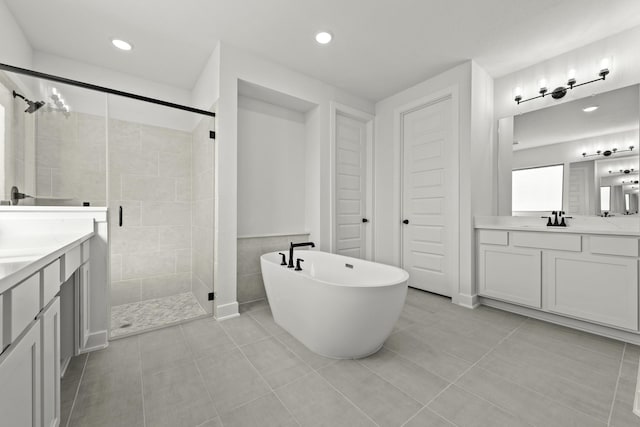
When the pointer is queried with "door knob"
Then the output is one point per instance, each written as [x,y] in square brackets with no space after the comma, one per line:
[365,220]
[406,221]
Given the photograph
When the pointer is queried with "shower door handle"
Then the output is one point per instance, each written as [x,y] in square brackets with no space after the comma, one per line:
[120,216]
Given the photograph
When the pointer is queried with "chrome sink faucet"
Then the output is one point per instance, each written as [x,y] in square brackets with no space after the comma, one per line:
[297,245]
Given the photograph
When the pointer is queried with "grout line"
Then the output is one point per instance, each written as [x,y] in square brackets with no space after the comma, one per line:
[144,415]
[519,385]
[75,397]
[426,406]
[469,369]
[347,399]
[269,385]
[204,383]
[260,375]
[615,390]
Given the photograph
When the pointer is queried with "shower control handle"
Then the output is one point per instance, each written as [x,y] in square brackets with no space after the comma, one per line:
[405,221]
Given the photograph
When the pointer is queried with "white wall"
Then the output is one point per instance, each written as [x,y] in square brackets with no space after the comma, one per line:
[623,47]
[236,64]
[14,47]
[271,169]
[207,88]
[476,166]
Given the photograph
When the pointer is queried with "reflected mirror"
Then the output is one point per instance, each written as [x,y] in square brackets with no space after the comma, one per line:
[580,157]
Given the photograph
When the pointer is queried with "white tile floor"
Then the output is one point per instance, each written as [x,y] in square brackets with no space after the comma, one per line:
[443,366]
[127,319]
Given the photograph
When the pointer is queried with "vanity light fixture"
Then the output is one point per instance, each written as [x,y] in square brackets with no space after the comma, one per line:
[324,37]
[607,153]
[121,44]
[561,91]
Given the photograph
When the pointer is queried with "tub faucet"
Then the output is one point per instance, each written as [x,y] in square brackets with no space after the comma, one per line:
[297,245]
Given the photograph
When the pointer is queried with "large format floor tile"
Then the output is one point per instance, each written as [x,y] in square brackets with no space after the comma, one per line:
[442,366]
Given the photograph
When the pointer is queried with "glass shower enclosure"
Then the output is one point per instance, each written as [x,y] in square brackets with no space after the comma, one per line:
[150,163]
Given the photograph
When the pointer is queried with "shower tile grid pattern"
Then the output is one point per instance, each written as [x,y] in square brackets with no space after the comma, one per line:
[135,317]
[443,365]
[150,177]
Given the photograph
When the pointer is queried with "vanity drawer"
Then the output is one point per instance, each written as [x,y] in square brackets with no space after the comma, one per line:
[21,306]
[50,282]
[558,242]
[86,250]
[623,246]
[493,237]
[72,260]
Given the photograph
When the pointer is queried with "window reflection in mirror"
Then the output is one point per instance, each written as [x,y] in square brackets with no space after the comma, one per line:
[537,189]
[605,199]
[598,148]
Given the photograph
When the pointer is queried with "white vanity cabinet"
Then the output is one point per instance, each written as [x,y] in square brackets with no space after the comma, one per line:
[30,363]
[586,277]
[50,340]
[597,288]
[21,381]
[510,274]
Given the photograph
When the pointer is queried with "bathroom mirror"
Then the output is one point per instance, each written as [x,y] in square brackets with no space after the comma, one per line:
[580,157]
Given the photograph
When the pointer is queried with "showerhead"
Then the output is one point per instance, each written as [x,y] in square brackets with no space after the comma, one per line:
[32,106]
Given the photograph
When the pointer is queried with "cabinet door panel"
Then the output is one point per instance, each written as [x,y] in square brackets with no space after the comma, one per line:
[509,274]
[50,320]
[20,381]
[602,289]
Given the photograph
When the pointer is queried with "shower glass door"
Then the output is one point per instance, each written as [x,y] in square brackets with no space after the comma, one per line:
[160,198]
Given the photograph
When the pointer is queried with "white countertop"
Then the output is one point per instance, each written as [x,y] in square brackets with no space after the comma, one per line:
[619,226]
[28,246]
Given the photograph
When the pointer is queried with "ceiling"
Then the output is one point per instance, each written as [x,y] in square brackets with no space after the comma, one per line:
[618,112]
[380,47]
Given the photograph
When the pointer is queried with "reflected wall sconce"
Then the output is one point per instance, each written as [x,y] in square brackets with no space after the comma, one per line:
[607,153]
[561,91]
[624,171]
[59,102]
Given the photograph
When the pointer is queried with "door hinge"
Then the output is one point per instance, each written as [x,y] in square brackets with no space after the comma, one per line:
[212,296]
[212,134]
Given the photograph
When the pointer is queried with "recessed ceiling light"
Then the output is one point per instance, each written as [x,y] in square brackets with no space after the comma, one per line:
[121,44]
[590,109]
[323,37]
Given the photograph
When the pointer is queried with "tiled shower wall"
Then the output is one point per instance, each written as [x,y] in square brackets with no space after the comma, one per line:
[202,161]
[250,285]
[150,177]
[71,157]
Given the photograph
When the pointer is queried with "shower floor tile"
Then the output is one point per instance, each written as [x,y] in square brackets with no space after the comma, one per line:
[131,318]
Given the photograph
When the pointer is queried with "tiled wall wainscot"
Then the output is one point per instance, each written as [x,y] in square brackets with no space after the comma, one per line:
[250,285]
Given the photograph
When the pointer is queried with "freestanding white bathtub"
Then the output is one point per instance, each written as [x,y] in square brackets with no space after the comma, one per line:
[337,306]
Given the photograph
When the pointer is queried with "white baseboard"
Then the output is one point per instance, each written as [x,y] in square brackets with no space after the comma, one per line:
[468,301]
[227,311]
[96,341]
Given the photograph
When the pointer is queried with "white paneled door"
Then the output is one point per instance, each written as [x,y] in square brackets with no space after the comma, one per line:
[430,197]
[351,178]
